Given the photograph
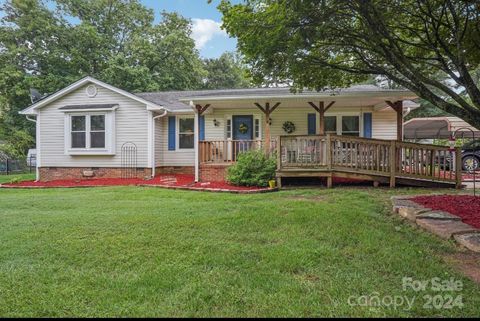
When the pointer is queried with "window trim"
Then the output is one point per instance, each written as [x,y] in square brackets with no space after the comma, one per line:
[109,148]
[177,143]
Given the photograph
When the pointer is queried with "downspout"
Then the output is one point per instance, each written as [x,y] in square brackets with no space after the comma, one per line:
[31,119]
[154,165]
[37,146]
[195,140]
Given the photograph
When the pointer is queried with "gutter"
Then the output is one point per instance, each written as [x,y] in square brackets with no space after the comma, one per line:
[386,95]
[154,165]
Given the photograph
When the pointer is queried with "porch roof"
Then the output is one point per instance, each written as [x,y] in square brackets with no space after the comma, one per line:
[361,95]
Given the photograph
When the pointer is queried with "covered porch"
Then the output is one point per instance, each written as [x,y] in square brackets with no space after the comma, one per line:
[227,125]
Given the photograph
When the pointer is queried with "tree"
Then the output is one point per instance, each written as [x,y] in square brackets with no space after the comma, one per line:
[227,71]
[116,41]
[430,47]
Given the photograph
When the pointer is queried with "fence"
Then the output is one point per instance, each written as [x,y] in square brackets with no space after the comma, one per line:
[11,166]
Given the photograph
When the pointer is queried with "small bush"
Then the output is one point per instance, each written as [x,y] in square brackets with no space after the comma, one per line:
[253,168]
[15,180]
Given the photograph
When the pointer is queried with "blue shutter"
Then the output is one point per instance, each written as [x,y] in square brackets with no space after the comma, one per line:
[171,133]
[312,124]
[201,125]
[367,125]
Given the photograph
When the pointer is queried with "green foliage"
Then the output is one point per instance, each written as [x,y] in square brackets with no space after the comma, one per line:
[253,168]
[431,47]
[15,180]
[426,109]
[17,145]
[116,41]
[225,72]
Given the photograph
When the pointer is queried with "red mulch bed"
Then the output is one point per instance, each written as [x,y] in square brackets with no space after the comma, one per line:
[465,206]
[178,180]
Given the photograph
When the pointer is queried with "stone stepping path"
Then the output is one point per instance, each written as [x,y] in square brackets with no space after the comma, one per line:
[440,223]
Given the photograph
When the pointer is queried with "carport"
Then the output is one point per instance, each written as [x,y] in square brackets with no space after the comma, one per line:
[438,128]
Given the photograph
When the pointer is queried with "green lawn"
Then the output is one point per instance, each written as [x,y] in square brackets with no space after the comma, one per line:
[131,251]
[17,177]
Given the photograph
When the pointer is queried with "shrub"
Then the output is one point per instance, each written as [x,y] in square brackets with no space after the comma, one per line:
[253,168]
[15,180]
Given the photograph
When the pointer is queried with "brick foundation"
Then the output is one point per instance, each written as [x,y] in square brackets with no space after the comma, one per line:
[57,173]
[213,173]
[189,170]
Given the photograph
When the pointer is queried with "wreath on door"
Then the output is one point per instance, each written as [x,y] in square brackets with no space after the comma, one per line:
[288,127]
[243,128]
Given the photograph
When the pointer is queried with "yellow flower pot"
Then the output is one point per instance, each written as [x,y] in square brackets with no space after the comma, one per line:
[272,183]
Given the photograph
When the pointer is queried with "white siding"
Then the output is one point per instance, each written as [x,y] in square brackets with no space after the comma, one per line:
[384,124]
[130,121]
[165,157]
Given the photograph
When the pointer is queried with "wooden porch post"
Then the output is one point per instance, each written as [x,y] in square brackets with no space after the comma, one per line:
[199,110]
[321,109]
[267,111]
[398,107]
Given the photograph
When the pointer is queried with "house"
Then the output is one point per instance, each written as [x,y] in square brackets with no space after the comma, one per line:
[91,128]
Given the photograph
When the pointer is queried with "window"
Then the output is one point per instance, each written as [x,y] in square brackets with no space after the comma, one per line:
[229,128]
[331,125]
[97,131]
[351,125]
[79,131]
[257,128]
[186,132]
[88,131]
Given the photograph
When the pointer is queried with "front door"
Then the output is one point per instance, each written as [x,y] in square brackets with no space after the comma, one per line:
[242,133]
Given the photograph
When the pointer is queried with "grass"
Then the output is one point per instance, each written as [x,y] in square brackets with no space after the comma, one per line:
[16,177]
[131,251]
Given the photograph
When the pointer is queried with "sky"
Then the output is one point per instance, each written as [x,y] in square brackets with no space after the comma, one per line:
[210,40]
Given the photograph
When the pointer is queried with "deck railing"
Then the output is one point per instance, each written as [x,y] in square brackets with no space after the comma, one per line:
[367,156]
[227,151]
[370,156]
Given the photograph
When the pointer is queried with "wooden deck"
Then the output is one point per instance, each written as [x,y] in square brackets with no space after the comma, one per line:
[379,161]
